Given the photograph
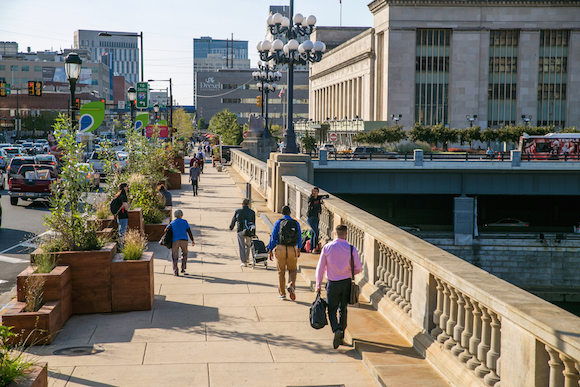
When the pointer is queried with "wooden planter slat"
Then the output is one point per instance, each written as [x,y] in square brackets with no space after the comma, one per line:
[34,328]
[180,164]
[154,231]
[102,224]
[132,283]
[173,180]
[36,376]
[136,221]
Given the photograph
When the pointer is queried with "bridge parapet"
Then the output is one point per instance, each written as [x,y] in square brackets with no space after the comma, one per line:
[251,169]
[474,327]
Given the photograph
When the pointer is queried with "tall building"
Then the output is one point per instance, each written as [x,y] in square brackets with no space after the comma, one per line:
[215,54]
[504,62]
[120,53]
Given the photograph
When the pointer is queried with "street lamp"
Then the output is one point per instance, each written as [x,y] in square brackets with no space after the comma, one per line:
[72,67]
[132,96]
[290,53]
[471,119]
[267,76]
[156,110]
[170,104]
[133,34]
[396,118]
[526,119]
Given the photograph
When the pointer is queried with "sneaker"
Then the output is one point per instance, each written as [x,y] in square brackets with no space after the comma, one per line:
[283,297]
[338,336]
[292,293]
[183,270]
[176,274]
[243,264]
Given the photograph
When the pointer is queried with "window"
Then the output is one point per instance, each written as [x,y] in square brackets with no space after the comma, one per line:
[38,68]
[25,68]
[231,100]
[432,76]
[24,80]
[552,77]
[13,68]
[2,67]
[502,85]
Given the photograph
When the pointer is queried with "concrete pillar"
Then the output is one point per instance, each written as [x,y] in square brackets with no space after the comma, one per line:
[418,153]
[371,261]
[285,164]
[322,157]
[463,219]
[527,102]
[516,158]
[424,295]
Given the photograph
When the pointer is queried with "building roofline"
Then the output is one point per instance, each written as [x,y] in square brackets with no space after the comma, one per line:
[377,5]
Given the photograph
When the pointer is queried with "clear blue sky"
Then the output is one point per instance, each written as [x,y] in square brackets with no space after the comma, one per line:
[168,27]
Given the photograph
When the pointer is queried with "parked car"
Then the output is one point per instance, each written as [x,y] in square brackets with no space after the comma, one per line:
[41,147]
[508,222]
[29,148]
[96,160]
[17,161]
[92,177]
[32,182]
[47,160]
[328,147]
[2,181]
[3,160]
[364,152]
[12,151]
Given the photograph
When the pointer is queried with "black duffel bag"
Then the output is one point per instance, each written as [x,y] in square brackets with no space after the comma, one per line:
[318,313]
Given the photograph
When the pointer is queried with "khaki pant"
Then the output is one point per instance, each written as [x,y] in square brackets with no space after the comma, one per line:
[175,254]
[286,257]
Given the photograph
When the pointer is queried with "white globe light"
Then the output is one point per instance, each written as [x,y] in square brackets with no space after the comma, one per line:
[259,63]
[266,85]
[285,22]
[298,18]
[259,84]
[301,48]
[263,74]
[323,46]
[311,20]
[266,44]
[293,45]
[273,86]
[277,45]
[259,46]
[317,46]
[269,21]
[307,45]
[270,74]
[286,49]
[278,74]
[277,18]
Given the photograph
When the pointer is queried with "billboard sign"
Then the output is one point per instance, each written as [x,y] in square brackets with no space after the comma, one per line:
[163,131]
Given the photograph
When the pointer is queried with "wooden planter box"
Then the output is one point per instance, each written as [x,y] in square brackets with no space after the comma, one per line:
[90,276]
[102,224]
[37,376]
[34,328]
[57,286]
[109,233]
[154,231]
[136,221]
[168,212]
[179,164]
[132,283]
[173,180]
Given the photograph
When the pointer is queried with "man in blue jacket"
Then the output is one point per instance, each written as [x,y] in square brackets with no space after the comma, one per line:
[285,243]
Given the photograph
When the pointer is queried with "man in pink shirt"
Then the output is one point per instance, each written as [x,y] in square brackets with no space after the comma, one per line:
[335,259]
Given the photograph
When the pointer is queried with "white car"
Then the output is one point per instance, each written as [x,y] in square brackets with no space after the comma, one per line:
[328,147]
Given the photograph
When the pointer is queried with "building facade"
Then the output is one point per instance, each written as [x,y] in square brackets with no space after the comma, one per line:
[498,62]
[236,91]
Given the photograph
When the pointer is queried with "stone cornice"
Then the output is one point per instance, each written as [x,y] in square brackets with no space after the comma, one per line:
[377,5]
[367,55]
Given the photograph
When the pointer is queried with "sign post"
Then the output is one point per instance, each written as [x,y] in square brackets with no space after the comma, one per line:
[142,97]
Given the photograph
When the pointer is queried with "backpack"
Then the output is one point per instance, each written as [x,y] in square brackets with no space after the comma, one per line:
[249,228]
[288,234]
[116,205]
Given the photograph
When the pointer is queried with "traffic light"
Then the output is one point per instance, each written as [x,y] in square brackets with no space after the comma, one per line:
[31,88]
[104,101]
[2,89]
[78,103]
[259,101]
[38,88]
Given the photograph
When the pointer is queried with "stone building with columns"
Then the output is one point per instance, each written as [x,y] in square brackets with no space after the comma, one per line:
[500,62]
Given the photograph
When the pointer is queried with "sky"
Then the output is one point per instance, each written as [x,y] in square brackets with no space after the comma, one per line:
[168,27]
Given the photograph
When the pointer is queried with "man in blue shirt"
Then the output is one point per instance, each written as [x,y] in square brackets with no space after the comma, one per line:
[285,243]
[181,230]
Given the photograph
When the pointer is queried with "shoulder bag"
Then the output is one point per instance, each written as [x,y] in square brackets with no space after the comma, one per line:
[354,288]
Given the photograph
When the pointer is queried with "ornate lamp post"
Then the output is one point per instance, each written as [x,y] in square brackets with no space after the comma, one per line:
[132,96]
[72,67]
[156,110]
[267,76]
[170,104]
[290,53]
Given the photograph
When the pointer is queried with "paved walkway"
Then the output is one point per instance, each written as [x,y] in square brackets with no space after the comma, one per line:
[218,325]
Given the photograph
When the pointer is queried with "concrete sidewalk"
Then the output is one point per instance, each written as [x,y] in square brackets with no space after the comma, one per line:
[218,325]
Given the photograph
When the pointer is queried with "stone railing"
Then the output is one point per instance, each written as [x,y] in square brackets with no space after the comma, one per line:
[251,169]
[475,328]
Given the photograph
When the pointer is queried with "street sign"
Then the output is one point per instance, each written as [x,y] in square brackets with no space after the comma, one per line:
[245,133]
[142,90]
[333,137]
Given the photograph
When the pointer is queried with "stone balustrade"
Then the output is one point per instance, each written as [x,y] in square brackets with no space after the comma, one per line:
[475,328]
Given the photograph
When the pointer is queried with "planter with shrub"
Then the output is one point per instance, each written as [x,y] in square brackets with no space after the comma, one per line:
[15,368]
[173,179]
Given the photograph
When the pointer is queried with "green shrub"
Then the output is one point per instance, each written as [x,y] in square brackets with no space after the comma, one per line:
[34,293]
[45,263]
[13,365]
[410,147]
[134,245]
[153,215]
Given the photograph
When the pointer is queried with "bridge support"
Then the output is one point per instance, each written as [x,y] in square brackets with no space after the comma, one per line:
[463,220]
[282,164]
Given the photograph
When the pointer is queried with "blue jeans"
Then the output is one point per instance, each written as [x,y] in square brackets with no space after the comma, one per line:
[123,223]
[313,223]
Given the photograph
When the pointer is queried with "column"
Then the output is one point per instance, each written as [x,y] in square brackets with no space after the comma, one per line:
[463,218]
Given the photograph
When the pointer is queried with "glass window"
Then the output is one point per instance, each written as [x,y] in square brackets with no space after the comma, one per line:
[2,67]
[502,81]
[38,68]
[24,80]
[25,68]
[13,68]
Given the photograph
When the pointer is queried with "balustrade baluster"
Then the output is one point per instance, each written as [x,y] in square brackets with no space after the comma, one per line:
[443,336]
[405,284]
[397,280]
[438,309]
[381,268]
[570,372]
[392,294]
[450,328]
[467,332]
[409,290]
[390,272]
[459,327]
[556,368]
[475,340]
[484,346]
[494,351]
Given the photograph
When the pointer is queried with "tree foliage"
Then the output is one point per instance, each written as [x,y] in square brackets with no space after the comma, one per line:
[182,124]
[308,142]
[389,135]
[225,123]
[201,124]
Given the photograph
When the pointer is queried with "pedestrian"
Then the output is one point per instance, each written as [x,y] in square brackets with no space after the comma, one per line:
[313,215]
[166,195]
[201,159]
[123,212]
[181,231]
[285,242]
[194,173]
[245,217]
[335,261]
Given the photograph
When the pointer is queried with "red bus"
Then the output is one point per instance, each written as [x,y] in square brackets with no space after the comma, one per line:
[551,146]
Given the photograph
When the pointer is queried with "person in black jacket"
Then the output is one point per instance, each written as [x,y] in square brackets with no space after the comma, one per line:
[313,214]
[244,217]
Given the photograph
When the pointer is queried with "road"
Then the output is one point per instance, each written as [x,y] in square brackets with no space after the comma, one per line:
[21,225]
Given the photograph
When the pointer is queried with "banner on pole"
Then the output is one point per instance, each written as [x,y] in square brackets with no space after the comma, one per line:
[91,116]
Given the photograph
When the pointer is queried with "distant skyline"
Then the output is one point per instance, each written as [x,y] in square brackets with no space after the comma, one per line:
[168,27]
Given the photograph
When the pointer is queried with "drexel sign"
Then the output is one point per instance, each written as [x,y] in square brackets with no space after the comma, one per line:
[210,84]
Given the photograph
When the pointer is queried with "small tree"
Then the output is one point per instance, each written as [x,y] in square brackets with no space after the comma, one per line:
[182,124]
[420,133]
[308,142]
[444,135]
[225,123]
[394,134]
[201,124]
